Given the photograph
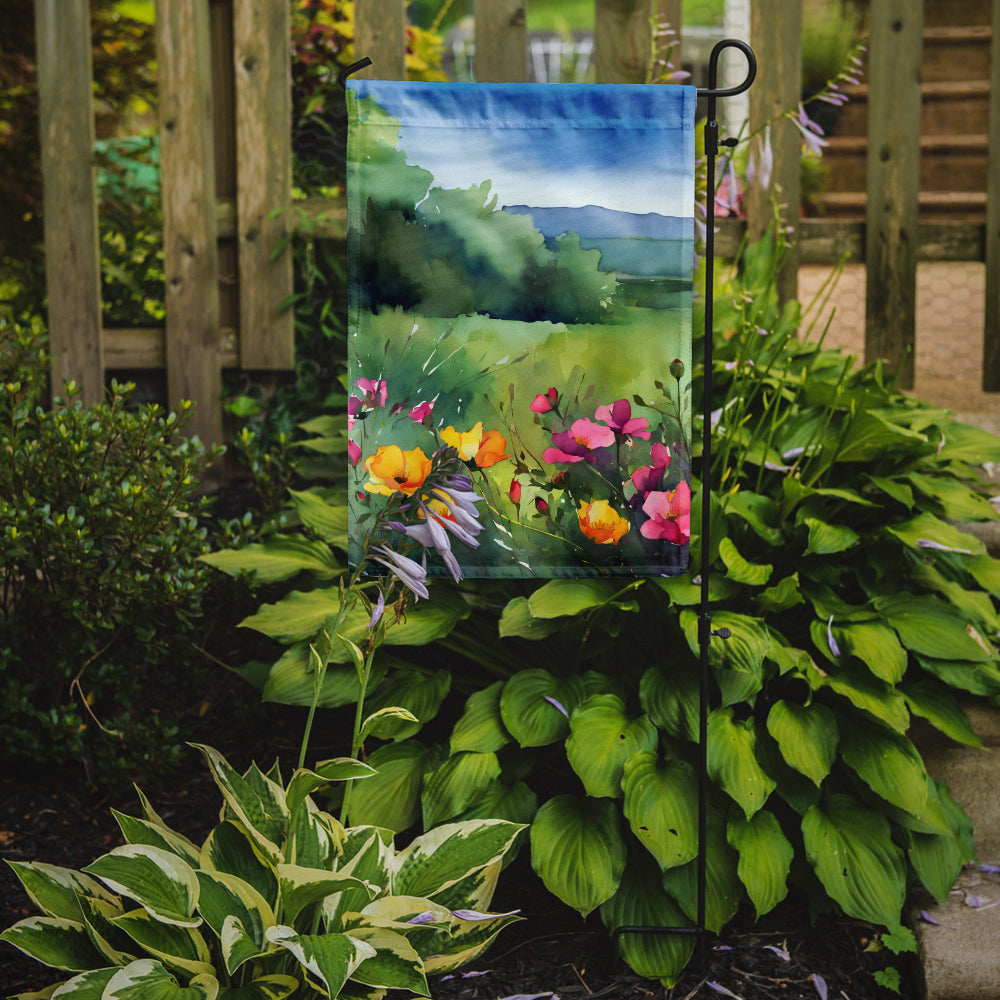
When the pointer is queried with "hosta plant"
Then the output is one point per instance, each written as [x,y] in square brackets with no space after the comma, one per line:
[279,900]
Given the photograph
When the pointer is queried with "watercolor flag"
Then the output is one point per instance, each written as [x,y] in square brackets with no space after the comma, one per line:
[520,264]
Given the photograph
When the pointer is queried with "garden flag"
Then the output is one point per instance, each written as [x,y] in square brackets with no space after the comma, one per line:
[520,262]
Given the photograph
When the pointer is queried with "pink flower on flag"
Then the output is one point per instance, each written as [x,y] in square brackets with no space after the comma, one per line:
[618,416]
[580,443]
[669,515]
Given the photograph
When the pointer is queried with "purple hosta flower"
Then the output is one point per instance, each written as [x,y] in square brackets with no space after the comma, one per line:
[812,134]
[618,416]
[782,953]
[410,573]
[820,983]
[427,917]
[719,988]
[728,195]
[431,534]
[989,869]
[760,165]
[831,642]
[557,704]
[927,543]
[475,915]
[377,611]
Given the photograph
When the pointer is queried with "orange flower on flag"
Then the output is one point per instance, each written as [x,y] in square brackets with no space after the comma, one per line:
[491,450]
[393,470]
[601,523]
[475,446]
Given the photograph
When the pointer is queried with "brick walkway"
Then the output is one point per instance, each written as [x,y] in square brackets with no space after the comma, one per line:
[950,315]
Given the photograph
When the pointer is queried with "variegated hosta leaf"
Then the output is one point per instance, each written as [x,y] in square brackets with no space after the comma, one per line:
[86,986]
[850,847]
[765,858]
[642,902]
[256,801]
[418,690]
[329,959]
[273,987]
[177,947]
[367,854]
[535,706]
[395,964]
[578,851]
[141,831]
[54,941]
[225,897]
[116,947]
[441,857]
[315,838]
[807,736]
[300,887]
[732,760]
[481,727]
[56,891]
[888,763]
[602,737]
[391,799]
[147,979]
[475,891]
[661,799]
[468,939]
[456,784]
[158,880]
[230,849]
[304,782]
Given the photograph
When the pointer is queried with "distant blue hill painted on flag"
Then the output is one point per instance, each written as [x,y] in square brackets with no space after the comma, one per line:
[649,245]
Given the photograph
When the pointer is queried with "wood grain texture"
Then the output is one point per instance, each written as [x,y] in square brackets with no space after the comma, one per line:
[262,67]
[892,214]
[190,253]
[991,332]
[621,40]
[72,257]
[380,34]
[501,41]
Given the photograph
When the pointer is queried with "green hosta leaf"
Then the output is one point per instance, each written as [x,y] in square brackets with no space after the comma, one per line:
[671,699]
[957,501]
[516,803]
[732,760]
[928,528]
[577,850]
[225,897]
[160,882]
[975,605]
[443,856]
[985,569]
[560,598]
[866,692]
[765,858]
[888,763]
[391,798]
[481,728]
[932,628]
[517,620]
[56,891]
[850,847]
[783,595]
[467,940]
[893,488]
[147,979]
[386,723]
[292,681]
[315,839]
[738,661]
[367,853]
[941,709]
[738,569]
[723,889]
[301,887]
[180,948]
[870,436]
[876,646]
[230,849]
[456,784]
[661,798]
[641,901]
[602,738]
[827,539]
[142,831]
[54,941]
[304,782]
[260,809]
[807,736]
[330,959]
[965,443]
[937,859]
[530,706]
[279,558]
[976,678]
[239,945]
[416,689]
[327,520]
[274,987]
[395,964]
[758,511]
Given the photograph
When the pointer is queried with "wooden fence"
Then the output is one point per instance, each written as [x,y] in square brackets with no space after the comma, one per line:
[226,162]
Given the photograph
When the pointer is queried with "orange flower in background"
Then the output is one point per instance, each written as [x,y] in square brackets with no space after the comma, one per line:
[601,523]
[475,446]
[491,450]
[393,470]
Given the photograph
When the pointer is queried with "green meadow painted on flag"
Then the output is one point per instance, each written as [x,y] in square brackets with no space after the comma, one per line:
[520,290]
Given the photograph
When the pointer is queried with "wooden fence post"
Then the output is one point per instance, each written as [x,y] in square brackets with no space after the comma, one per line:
[501,41]
[262,61]
[621,40]
[991,332]
[776,35]
[893,183]
[380,34]
[190,251]
[72,256]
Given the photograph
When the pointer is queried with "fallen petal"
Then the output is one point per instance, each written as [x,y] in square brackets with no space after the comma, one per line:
[719,988]
[780,952]
[820,983]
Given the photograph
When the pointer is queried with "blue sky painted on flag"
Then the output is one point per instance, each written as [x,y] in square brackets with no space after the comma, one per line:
[625,148]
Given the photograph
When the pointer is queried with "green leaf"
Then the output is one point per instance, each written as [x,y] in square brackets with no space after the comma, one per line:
[928,528]
[870,436]
[941,709]
[456,784]
[274,987]
[888,763]
[225,897]
[577,850]
[391,798]
[976,678]
[758,511]
[986,571]
[86,986]
[327,520]
[330,958]
[164,885]
[527,706]
[807,736]
[765,858]
[142,831]
[304,782]
[640,901]
[783,595]
[661,798]
[732,760]
[230,849]
[481,728]
[957,501]
[828,539]
[932,628]
[292,680]
[965,443]
[418,690]
[54,941]
[279,558]
[866,692]
[181,948]
[671,699]
[516,620]
[560,598]
[741,571]
[516,803]
[937,859]
[385,723]
[301,887]
[147,979]
[850,848]
[395,964]
[876,646]
[601,739]
[737,661]
[56,891]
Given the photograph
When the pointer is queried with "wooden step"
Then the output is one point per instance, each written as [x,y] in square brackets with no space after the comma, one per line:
[957,206]
[956,53]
